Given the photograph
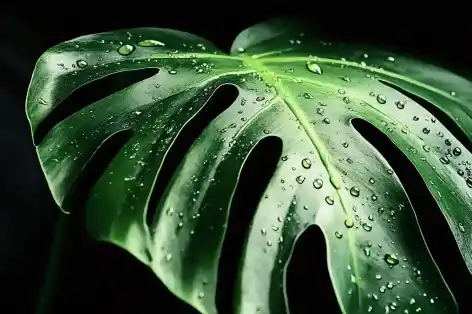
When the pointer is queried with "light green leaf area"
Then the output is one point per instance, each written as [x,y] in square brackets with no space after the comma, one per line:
[293,87]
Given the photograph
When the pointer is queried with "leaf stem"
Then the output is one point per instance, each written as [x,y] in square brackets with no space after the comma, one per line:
[48,292]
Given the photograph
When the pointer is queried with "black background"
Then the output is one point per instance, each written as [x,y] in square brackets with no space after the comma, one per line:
[101,279]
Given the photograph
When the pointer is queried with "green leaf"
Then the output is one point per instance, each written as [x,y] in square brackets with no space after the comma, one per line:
[293,87]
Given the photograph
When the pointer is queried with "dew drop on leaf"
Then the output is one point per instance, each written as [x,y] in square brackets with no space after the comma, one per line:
[367,226]
[307,96]
[306,163]
[400,104]
[81,63]
[426,130]
[314,67]
[126,49]
[329,200]
[349,223]
[456,151]
[391,259]
[381,99]
[354,191]
[461,228]
[318,183]
[444,160]
[300,179]
[338,234]
[150,43]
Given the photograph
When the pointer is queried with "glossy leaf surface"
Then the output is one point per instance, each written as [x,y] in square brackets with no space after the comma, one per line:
[293,87]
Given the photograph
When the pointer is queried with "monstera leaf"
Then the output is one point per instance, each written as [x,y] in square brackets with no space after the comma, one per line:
[293,87]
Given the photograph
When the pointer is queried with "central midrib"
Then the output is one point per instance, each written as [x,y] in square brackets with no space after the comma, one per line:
[334,177]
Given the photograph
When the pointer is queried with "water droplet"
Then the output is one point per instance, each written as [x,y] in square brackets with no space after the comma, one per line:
[314,67]
[126,50]
[150,43]
[318,183]
[444,160]
[241,50]
[354,191]
[461,228]
[81,63]
[371,180]
[338,234]
[381,99]
[400,104]
[168,257]
[391,259]
[367,226]
[391,59]
[349,223]
[307,96]
[306,163]
[345,144]
[326,121]
[456,151]
[426,130]
[300,179]
[329,200]
[260,98]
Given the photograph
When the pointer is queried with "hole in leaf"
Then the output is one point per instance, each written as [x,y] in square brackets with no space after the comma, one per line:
[434,227]
[88,94]
[262,160]
[309,288]
[221,99]
[94,169]
[440,115]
